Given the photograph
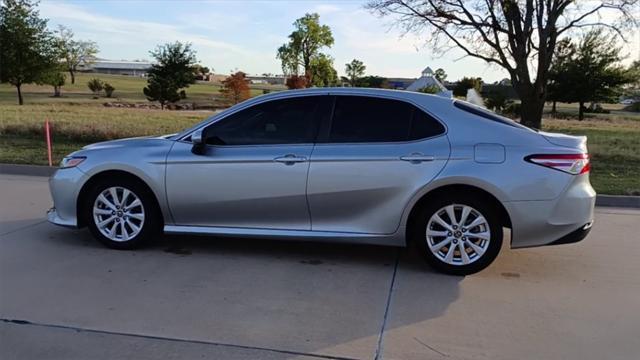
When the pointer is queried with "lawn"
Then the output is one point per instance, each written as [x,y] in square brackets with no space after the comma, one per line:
[77,120]
[128,89]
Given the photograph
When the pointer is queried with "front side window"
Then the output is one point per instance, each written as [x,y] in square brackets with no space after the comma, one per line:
[369,119]
[287,121]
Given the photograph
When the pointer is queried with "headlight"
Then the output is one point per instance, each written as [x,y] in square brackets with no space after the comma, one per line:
[71,161]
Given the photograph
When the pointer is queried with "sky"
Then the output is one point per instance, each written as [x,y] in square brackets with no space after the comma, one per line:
[244,35]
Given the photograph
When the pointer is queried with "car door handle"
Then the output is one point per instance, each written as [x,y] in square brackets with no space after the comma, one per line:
[290,159]
[417,158]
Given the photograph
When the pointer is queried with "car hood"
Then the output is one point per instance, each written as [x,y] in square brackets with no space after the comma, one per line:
[128,142]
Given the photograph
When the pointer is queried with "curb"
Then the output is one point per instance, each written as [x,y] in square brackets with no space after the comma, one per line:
[29,170]
[39,170]
[618,201]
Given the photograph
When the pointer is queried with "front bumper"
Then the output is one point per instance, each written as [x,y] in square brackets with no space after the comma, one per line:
[54,218]
[65,187]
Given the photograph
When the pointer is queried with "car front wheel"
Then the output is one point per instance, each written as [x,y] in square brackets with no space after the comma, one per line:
[458,236]
[121,214]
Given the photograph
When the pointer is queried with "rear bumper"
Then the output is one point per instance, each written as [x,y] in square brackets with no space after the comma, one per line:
[575,236]
[563,220]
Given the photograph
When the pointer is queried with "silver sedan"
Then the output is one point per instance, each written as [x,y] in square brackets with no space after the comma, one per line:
[349,165]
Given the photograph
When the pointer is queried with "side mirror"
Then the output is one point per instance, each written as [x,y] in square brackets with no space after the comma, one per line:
[198,142]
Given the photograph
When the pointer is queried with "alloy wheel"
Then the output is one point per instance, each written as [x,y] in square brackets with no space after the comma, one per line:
[458,234]
[118,214]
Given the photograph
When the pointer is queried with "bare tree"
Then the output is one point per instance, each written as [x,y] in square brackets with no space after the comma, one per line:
[518,35]
[74,52]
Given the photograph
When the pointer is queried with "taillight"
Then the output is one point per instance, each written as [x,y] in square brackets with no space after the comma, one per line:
[573,164]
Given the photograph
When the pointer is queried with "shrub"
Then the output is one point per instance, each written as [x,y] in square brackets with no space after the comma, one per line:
[235,88]
[596,109]
[296,82]
[496,101]
[513,110]
[95,85]
[183,94]
[635,107]
[431,89]
[108,89]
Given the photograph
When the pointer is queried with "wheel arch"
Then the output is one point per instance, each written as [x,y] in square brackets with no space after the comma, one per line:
[442,191]
[120,174]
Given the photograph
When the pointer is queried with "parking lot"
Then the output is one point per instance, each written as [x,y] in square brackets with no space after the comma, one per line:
[64,296]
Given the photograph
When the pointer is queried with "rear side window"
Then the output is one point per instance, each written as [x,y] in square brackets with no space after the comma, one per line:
[368,119]
[484,113]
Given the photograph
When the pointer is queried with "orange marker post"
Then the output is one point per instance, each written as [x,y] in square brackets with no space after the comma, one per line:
[47,132]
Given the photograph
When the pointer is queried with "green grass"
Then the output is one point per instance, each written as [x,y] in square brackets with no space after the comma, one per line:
[128,89]
[614,147]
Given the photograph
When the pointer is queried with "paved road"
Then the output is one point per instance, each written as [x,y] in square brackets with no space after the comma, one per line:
[63,296]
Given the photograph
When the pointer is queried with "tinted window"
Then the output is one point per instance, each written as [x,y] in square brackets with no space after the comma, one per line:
[424,126]
[484,113]
[288,121]
[369,119]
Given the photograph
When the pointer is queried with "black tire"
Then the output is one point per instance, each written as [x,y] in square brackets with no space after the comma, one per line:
[418,232]
[151,225]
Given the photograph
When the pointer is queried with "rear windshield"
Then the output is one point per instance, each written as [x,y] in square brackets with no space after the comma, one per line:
[489,115]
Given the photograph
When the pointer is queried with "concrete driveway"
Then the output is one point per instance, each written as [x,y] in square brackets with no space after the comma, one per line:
[63,296]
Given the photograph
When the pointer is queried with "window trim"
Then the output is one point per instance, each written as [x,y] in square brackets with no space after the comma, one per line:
[323,137]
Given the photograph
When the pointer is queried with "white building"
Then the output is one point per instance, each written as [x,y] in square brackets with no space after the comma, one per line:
[428,79]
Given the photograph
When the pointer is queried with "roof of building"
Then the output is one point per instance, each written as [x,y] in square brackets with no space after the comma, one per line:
[121,65]
[426,80]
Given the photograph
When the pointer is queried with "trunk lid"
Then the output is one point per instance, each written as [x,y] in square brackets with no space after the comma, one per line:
[570,141]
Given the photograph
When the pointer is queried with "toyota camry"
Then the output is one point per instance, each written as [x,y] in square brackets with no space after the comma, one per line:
[352,165]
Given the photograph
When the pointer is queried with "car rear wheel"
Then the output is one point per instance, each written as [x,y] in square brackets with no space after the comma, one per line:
[460,235]
[121,214]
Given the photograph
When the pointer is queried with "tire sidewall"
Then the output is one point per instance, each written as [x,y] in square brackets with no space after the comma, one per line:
[419,226]
[150,225]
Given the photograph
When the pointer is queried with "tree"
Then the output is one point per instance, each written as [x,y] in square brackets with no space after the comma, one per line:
[27,51]
[559,84]
[632,90]
[465,84]
[518,36]
[305,43]
[441,75]
[96,86]
[56,79]
[354,70]
[594,73]
[74,52]
[172,72]
[161,90]
[322,71]
[373,81]
[497,100]
[235,87]
[200,72]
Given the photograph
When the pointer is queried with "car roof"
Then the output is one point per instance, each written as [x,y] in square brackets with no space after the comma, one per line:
[359,91]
